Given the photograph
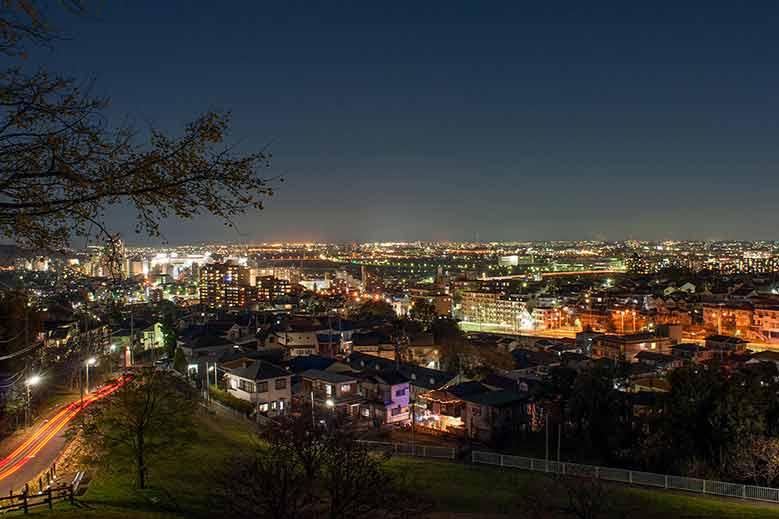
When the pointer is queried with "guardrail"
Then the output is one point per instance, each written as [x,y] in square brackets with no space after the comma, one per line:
[632,477]
[411,449]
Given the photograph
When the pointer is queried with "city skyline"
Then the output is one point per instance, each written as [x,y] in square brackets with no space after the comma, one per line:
[453,122]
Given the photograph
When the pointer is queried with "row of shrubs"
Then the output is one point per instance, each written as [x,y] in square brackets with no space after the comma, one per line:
[223,397]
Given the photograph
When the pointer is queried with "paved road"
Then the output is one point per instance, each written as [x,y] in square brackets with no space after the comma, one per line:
[41,447]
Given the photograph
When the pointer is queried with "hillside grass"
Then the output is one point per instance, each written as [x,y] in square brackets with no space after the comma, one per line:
[180,486]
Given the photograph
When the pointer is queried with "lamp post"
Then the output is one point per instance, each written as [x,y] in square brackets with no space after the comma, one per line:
[91,361]
[32,381]
[112,349]
[331,404]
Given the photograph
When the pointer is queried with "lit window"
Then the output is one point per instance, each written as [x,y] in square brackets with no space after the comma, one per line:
[328,389]
[345,388]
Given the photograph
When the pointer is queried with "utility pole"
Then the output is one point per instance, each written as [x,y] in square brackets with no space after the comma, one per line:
[559,441]
[412,403]
[132,337]
[313,421]
[27,408]
[546,443]
[81,382]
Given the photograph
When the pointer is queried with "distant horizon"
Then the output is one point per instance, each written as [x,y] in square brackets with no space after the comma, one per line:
[430,241]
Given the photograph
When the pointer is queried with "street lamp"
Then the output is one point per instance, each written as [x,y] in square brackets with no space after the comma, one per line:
[34,380]
[91,361]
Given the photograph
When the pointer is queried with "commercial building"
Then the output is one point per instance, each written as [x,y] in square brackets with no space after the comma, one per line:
[497,309]
[225,285]
[626,347]
[270,288]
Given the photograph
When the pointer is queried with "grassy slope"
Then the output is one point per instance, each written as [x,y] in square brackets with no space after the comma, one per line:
[491,490]
[450,487]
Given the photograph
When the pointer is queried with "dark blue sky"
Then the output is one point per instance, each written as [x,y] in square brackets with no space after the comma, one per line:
[458,120]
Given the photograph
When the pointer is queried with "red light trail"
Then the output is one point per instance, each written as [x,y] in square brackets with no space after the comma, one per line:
[43,435]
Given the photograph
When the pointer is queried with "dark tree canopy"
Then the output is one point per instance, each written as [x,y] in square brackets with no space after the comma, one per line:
[63,165]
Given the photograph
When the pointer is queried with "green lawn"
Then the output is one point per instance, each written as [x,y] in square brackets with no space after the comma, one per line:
[181,484]
[490,490]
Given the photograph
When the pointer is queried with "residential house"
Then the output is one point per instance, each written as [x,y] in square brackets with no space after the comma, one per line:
[387,397]
[422,379]
[339,392]
[720,344]
[690,352]
[477,411]
[625,347]
[765,356]
[373,343]
[267,386]
[658,361]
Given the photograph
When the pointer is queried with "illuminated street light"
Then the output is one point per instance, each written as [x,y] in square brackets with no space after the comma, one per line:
[329,402]
[91,361]
[32,381]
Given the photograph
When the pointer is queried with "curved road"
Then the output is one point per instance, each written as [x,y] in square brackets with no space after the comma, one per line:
[39,450]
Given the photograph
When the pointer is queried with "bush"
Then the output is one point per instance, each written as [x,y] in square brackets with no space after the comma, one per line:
[231,401]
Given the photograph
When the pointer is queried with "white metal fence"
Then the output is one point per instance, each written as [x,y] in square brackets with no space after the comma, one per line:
[665,481]
[411,449]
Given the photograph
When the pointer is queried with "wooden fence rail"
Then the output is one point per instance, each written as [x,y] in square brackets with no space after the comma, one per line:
[26,500]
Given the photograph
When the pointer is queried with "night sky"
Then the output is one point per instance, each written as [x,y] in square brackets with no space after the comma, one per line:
[462,121]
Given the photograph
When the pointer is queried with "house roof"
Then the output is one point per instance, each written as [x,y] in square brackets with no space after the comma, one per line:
[467,388]
[369,339]
[392,377]
[574,356]
[426,378]
[210,341]
[260,370]
[328,338]
[688,347]
[272,355]
[327,376]
[772,356]
[309,362]
[654,356]
[726,339]
[524,358]
[500,398]
[498,381]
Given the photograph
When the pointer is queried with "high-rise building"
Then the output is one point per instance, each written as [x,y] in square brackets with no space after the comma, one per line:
[270,288]
[225,285]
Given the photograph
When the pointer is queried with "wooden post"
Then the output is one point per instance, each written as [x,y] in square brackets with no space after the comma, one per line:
[24,500]
[51,502]
[70,493]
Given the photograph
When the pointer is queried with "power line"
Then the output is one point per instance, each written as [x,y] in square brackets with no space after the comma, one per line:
[20,352]
[6,341]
